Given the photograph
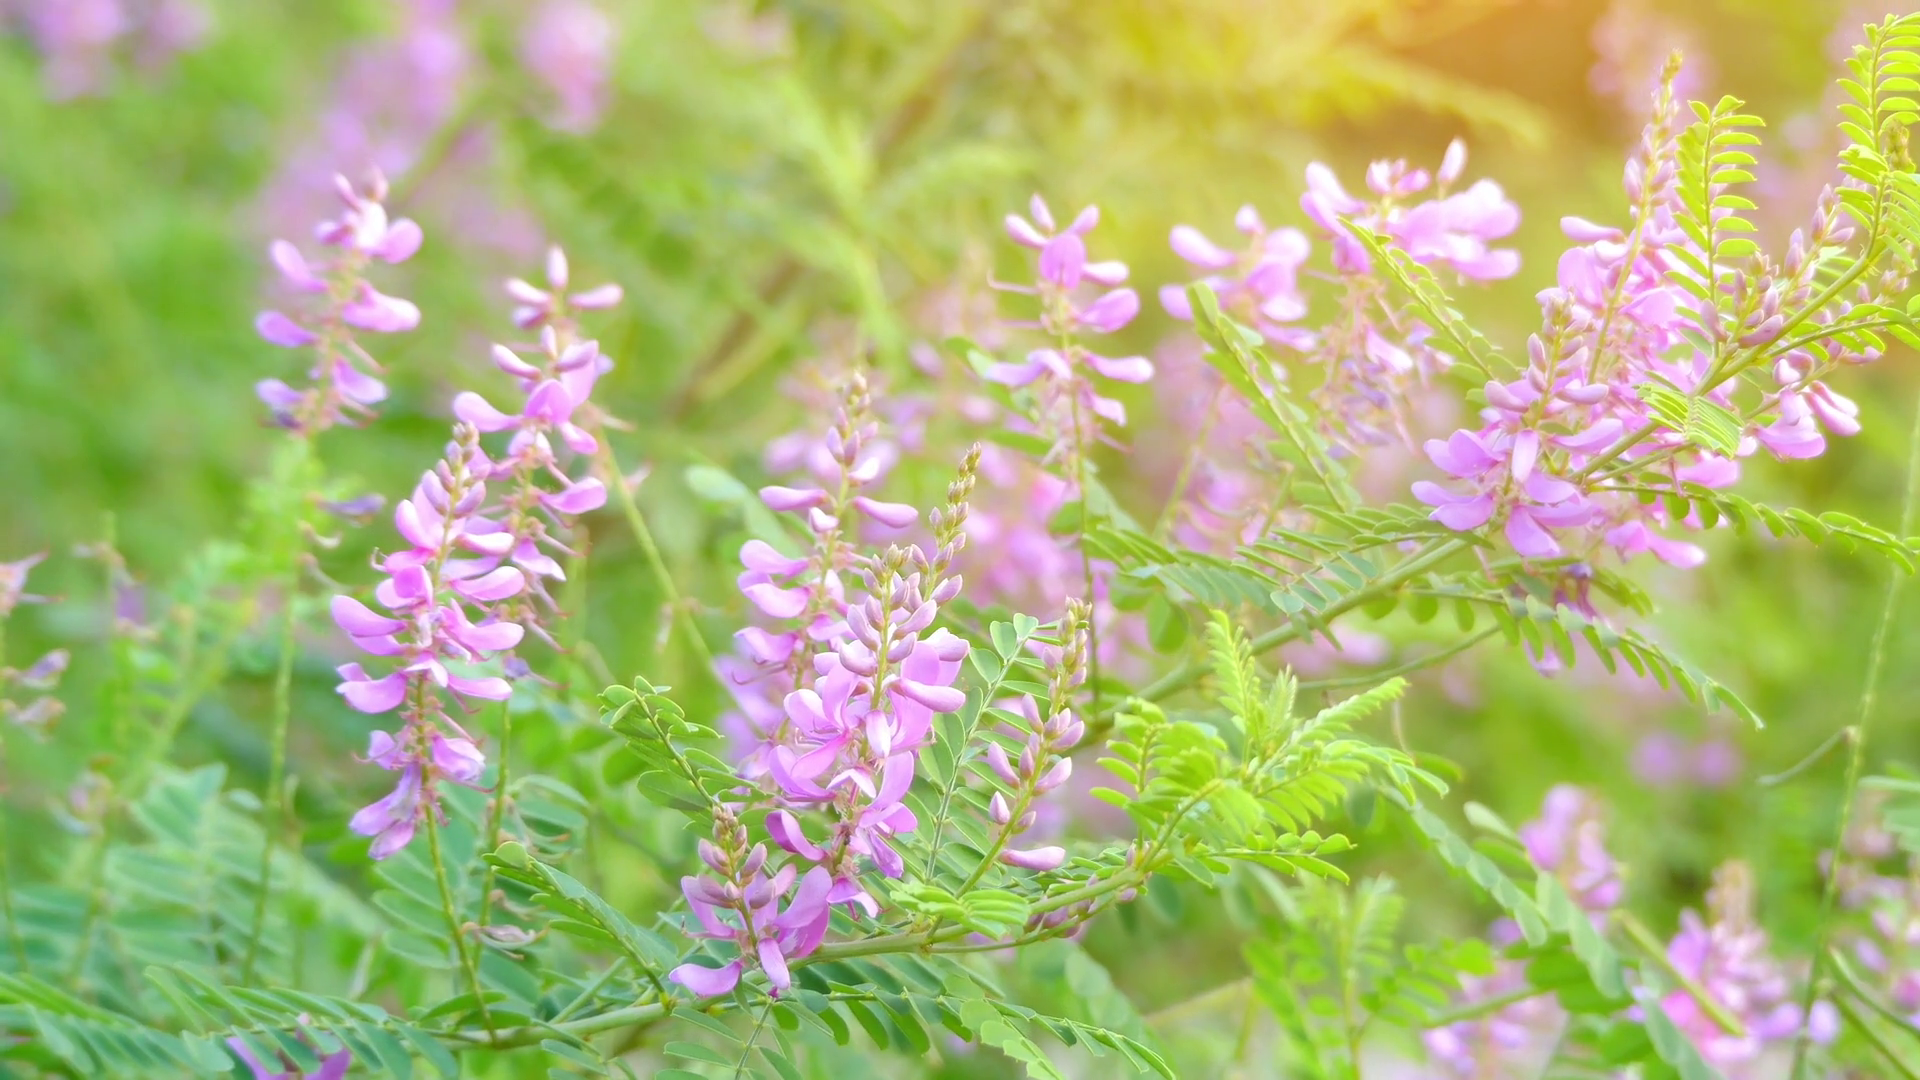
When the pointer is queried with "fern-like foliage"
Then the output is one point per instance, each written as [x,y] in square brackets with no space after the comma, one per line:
[1714,159]
[670,755]
[1334,967]
[1200,805]
[1876,116]
[1832,528]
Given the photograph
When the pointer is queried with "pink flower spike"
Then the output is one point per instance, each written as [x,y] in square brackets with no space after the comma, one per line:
[280,330]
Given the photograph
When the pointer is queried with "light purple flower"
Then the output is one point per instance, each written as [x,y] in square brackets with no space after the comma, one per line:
[778,935]
[568,44]
[346,301]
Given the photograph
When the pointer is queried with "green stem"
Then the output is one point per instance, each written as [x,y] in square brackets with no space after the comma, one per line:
[1486,1006]
[1859,1023]
[1857,753]
[497,813]
[454,925]
[586,995]
[1086,561]
[623,494]
[1218,995]
[14,939]
[1657,952]
[276,774]
[1420,663]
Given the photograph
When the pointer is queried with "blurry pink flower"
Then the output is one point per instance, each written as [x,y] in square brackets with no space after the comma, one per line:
[569,46]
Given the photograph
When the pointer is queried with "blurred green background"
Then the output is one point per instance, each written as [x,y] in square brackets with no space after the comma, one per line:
[772,180]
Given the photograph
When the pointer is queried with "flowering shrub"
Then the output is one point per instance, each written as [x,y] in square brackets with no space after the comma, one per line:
[974,710]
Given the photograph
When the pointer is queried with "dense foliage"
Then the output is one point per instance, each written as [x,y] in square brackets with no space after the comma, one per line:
[822,624]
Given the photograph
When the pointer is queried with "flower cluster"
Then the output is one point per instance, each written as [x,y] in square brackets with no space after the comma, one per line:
[472,582]
[440,594]
[1043,764]
[1451,232]
[568,44]
[742,904]
[806,596]
[1259,285]
[850,740]
[1373,356]
[38,678]
[1886,942]
[82,40]
[345,302]
[1067,403]
[1557,446]
[864,673]
[1725,955]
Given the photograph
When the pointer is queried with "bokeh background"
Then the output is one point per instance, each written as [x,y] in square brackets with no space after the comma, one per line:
[776,181]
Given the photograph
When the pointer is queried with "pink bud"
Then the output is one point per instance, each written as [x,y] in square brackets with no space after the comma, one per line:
[1040,859]
[1054,777]
[786,498]
[280,330]
[894,515]
[597,298]
[997,759]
